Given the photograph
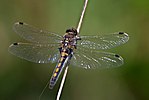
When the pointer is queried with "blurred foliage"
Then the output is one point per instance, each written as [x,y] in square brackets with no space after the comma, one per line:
[23,80]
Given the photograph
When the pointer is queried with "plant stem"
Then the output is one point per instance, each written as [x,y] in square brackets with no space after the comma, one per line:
[82,15]
[66,69]
[62,83]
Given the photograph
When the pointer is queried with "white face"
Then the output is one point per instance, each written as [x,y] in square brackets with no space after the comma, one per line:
[71,33]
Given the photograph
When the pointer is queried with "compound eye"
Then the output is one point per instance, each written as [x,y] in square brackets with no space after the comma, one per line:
[73,30]
[68,30]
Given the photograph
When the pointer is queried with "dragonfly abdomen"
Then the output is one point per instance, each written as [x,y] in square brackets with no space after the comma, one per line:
[65,56]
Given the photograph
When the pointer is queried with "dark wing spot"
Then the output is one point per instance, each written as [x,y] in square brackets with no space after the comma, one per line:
[15,43]
[116,55]
[21,23]
[121,32]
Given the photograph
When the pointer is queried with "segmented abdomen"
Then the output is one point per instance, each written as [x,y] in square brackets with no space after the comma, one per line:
[58,69]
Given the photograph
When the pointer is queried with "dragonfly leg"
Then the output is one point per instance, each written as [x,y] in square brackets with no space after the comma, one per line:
[60,49]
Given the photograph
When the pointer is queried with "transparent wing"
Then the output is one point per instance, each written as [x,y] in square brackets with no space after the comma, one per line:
[103,42]
[38,53]
[33,34]
[95,59]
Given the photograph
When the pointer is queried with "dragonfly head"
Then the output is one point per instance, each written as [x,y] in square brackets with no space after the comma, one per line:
[72,31]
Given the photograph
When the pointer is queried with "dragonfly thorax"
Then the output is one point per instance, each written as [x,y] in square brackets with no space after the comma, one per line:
[70,38]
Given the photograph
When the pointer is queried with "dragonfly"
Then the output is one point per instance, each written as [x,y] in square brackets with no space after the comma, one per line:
[81,51]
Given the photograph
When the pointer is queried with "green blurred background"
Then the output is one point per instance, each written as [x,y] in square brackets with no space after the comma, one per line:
[23,80]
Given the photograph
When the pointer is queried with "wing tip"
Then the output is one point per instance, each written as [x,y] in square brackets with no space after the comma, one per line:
[120,59]
[123,33]
[16,25]
[116,55]
[126,36]
[19,23]
[15,43]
